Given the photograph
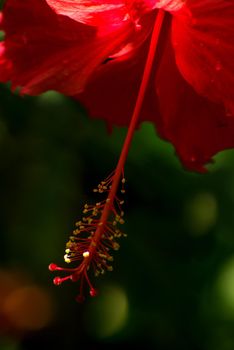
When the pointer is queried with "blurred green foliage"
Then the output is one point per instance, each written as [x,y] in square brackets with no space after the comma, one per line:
[173,281]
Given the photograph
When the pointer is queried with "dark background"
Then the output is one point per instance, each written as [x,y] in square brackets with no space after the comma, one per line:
[173,281]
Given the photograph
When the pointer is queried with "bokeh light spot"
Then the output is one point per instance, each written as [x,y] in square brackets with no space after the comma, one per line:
[201,213]
[107,314]
[50,98]
[225,288]
[28,308]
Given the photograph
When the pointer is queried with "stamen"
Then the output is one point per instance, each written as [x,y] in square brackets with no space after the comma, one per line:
[85,247]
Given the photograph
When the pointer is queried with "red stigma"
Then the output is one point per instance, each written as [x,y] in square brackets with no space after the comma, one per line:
[80,298]
[57,281]
[52,267]
[93,292]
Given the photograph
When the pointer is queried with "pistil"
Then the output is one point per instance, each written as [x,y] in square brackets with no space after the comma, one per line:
[96,234]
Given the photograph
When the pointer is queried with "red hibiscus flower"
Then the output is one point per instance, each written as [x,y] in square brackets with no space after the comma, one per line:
[96,50]
[167,61]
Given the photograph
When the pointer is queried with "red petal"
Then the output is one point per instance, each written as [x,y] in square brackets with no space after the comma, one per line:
[114,102]
[197,127]
[107,15]
[170,5]
[204,47]
[112,92]
[44,51]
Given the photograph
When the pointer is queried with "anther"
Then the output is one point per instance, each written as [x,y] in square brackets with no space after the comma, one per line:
[116,246]
[67,259]
[86,254]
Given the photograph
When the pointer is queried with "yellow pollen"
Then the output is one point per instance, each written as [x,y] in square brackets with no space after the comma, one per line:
[66,259]
[86,254]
